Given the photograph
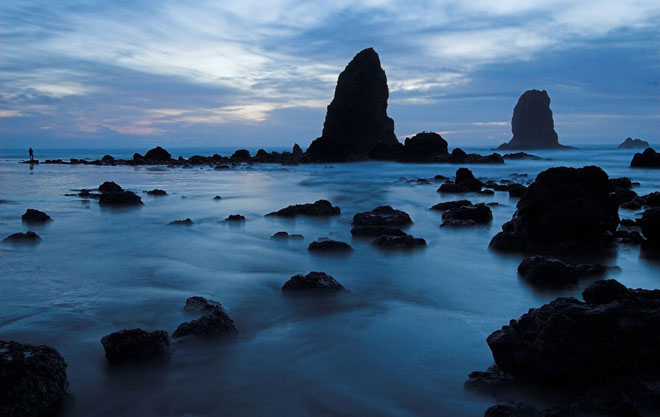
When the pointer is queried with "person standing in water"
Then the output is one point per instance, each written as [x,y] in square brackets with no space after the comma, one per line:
[31,152]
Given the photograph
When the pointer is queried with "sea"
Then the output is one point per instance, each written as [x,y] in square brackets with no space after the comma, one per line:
[400,342]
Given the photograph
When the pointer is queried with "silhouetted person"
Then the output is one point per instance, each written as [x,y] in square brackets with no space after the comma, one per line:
[31,152]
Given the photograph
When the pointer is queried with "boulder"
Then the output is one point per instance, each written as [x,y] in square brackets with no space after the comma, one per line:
[197,304]
[478,213]
[382,216]
[318,208]
[516,190]
[285,235]
[356,120]
[217,197]
[532,124]
[399,242]
[448,205]
[329,246]
[157,154]
[451,188]
[108,160]
[136,345]
[622,196]
[120,198]
[650,224]
[652,199]
[317,281]
[33,380]
[631,143]
[423,147]
[371,231]
[235,218]
[547,272]
[623,182]
[157,191]
[32,216]
[27,237]
[241,155]
[647,159]
[564,209]
[186,222]
[215,323]
[110,187]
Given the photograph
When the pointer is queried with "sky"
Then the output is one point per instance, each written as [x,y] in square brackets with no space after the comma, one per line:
[249,73]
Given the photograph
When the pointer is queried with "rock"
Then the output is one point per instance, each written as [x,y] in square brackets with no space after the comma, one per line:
[650,224]
[285,235]
[110,187]
[214,324]
[521,155]
[552,273]
[108,160]
[448,205]
[564,209]
[382,216]
[120,198]
[399,242]
[623,182]
[516,190]
[372,231]
[628,237]
[465,178]
[486,192]
[422,181]
[297,151]
[356,120]
[628,223]
[631,143]
[197,304]
[235,218]
[220,167]
[511,410]
[458,223]
[652,199]
[186,222]
[329,246]
[423,147]
[634,204]
[318,208]
[478,213]
[33,380]
[622,196]
[136,345]
[217,197]
[532,124]
[451,188]
[318,281]
[458,154]
[158,154]
[157,191]
[492,380]
[241,155]
[27,237]
[440,178]
[647,159]
[32,216]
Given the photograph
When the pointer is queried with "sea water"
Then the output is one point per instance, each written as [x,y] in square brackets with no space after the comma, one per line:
[400,343]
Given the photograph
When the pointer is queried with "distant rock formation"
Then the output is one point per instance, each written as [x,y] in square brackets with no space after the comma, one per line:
[631,143]
[356,120]
[532,124]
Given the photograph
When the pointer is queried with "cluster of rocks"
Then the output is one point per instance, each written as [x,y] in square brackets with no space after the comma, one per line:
[601,351]
[465,182]
[385,223]
[115,196]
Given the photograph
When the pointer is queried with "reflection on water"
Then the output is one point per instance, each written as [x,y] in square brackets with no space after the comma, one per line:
[401,342]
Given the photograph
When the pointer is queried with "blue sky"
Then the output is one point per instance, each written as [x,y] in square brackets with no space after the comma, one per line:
[250,73]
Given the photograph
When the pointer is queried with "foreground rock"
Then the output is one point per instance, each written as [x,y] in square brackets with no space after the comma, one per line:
[372,231]
[631,143]
[215,323]
[532,124]
[477,214]
[136,345]
[318,208]
[399,242]
[564,209]
[329,246]
[33,380]
[27,237]
[647,159]
[317,281]
[545,272]
[382,216]
[32,216]
[356,120]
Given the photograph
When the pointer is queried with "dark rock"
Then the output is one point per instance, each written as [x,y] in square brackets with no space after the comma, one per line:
[32,216]
[634,204]
[84,193]
[33,380]
[220,167]
[423,181]
[372,231]
[214,324]
[628,237]
[486,192]
[423,147]
[27,237]
[458,223]
[516,190]
[623,182]
[197,304]
[631,143]
[451,188]
[285,235]
[521,155]
[318,281]
[628,222]
[108,160]
[157,154]
[511,410]
[235,218]
[605,291]
[110,187]
[136,345]
[650,224]
[465,178]
[448,205]
[399,242]
[137,158]
[318,208]
[356,121]
[458,155]
[297,151]
[241,155]
[492,380]
[478,213]
[564,209]
[186,222]
[156,191]
[120,198]
[622,196]
[217,197]
[652,199]
[547,272]
[532,124]
[647,159]
[329,246]
[382,216]
[440,178]
[382,152]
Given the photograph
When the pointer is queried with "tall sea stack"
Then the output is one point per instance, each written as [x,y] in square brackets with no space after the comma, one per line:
[532,124]
[356,121]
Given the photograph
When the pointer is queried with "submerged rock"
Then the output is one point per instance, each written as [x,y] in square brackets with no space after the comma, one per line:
[33,380]
[32,216]
[136,345]
[235,218]
[477,213]
[214,324]
[423,147]
[451,188]
[27,237]
[549,272]
[329,246]
[286,235]
[217,197]
[197,304]
[382,216]
[448,205]
[631,143]
[157,191]
[399,242]
[186,222]
[318,208]
[120,198]
[521,155]
[372,231]
[318,281]
[647,159]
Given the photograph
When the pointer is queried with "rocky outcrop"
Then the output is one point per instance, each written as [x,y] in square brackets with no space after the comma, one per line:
[647,159]
[157,154]
[329,245]
[563,209]
[27,237]
[316,281]
[318,208]
[215,323]
[136,345]
[382,216]
[467,215]
[631,143]
[33,380]
[32,216]
[546,272]
[356,120]
[423,147]
[532,124]
[186,222]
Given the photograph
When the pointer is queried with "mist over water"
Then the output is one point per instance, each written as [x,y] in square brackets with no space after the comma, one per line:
[400,343]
